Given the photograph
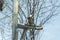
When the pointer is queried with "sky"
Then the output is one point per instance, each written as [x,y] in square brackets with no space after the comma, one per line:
[52,29]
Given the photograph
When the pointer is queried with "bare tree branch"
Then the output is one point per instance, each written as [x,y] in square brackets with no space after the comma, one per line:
[22,12]
[39,10]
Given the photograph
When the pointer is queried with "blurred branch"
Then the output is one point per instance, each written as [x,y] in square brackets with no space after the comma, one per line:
[22,11]
[39,10]
[48,17]
[20,17]
[4,18]
[23,35]
[6,4]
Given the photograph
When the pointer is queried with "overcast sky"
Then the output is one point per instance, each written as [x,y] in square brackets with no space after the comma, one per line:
[52,29]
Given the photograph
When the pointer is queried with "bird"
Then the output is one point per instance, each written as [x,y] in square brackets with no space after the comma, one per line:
[1,5]
[30,20]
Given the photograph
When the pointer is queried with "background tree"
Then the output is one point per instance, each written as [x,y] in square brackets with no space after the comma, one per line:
[41,10]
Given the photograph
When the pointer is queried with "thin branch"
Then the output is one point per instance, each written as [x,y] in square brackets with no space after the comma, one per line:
[48,17]
[39,10]
[23,35]
[22,12]
[21,17]
[4,18]
[28,7]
